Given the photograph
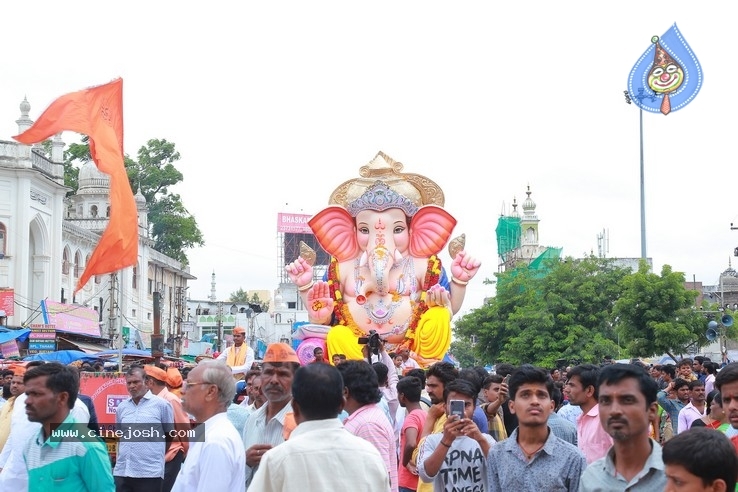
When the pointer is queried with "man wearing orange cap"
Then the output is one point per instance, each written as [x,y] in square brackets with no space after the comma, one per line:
[239,356]
[155,381]
[268,426]
[174,381]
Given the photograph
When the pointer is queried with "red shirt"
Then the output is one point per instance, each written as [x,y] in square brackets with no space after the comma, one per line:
[415,420]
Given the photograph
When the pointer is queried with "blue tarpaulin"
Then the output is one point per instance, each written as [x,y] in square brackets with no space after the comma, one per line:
[63,356]
[7,335]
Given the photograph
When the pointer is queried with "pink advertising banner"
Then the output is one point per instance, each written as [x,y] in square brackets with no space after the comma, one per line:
[71,318]
[7,300]
[9,349]
[297,223]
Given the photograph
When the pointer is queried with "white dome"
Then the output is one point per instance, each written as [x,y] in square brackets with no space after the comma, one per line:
[92,180]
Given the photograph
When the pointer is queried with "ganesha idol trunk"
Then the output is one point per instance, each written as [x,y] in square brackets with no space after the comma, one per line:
[379,264]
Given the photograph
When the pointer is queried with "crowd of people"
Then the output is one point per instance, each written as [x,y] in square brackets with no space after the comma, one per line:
[381,424]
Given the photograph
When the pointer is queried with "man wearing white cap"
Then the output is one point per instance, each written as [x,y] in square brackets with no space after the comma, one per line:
[239,356]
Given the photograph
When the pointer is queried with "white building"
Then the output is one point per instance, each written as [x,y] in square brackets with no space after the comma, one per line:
[47,239]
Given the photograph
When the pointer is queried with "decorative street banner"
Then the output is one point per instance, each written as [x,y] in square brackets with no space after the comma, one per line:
[7,301]
[107,390]
[667,76]
[9,349]
[71,318]
[42,339]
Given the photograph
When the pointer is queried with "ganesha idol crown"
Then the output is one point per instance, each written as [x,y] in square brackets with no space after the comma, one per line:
[381,197]
[382,185]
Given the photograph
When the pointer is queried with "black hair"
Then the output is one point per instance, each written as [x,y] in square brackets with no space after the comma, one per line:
[462,387]
[617,372]
[417,373]
[411,387]
[361,381]
[679,382]
[481,372]
[317,389]
[134,369]
[557,397]
[705,453]
[60,379]
[669,369]
[473,377]
[443,371]
[492,378]
[587,374]
[710,367]
[503,369]
[685,362]
[696,383]
[727,374]
[700,359]
[6,372]
[315,350]
[529,374]
[709,398]
[382,372]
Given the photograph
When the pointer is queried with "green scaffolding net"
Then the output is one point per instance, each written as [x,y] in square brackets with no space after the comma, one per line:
[508,235]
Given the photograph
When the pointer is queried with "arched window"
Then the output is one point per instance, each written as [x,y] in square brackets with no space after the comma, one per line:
[107,212]
[3,244]
[65,262]
[77,264]
[93,211]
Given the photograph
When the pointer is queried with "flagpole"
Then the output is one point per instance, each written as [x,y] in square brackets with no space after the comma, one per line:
[640,97]
[643,192]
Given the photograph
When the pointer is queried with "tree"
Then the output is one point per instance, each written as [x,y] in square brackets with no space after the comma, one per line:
[655,313]
[173,228]
[242,297]
[538,317]
[463,350]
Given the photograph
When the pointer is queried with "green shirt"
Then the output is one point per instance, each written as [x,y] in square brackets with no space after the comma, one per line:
[69,464]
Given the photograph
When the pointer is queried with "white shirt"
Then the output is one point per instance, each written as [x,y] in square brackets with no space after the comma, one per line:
[217,464]
[250,358]
[14,475]
[322,456]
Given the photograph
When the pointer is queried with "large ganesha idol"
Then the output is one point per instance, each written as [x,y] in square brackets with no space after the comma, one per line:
[384,231]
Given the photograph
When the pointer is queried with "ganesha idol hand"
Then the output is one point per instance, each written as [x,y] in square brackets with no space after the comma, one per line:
[301,273]
[319,303]
[464,267]
[437,295]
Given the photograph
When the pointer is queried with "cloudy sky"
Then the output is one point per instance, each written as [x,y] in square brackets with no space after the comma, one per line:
[273,104]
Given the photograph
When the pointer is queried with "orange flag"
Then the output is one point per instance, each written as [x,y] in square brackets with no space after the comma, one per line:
[98,113]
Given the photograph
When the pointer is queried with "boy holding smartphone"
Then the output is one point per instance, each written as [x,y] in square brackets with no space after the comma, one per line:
[456,459]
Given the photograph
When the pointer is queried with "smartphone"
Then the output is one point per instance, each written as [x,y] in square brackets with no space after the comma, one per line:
[456,407]
[507,379]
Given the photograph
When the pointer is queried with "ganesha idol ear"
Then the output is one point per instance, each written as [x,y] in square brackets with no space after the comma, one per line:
[334,229]
[430,229]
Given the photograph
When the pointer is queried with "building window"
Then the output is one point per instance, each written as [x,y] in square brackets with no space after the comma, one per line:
[134,281]
[97,279]
[107,212]
[77,264]
[3,233]
[65,262]
[93,211]
[133,312]
[148,316]
[151,286]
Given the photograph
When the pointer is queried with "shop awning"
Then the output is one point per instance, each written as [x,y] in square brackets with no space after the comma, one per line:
[90,348]
[8,335]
